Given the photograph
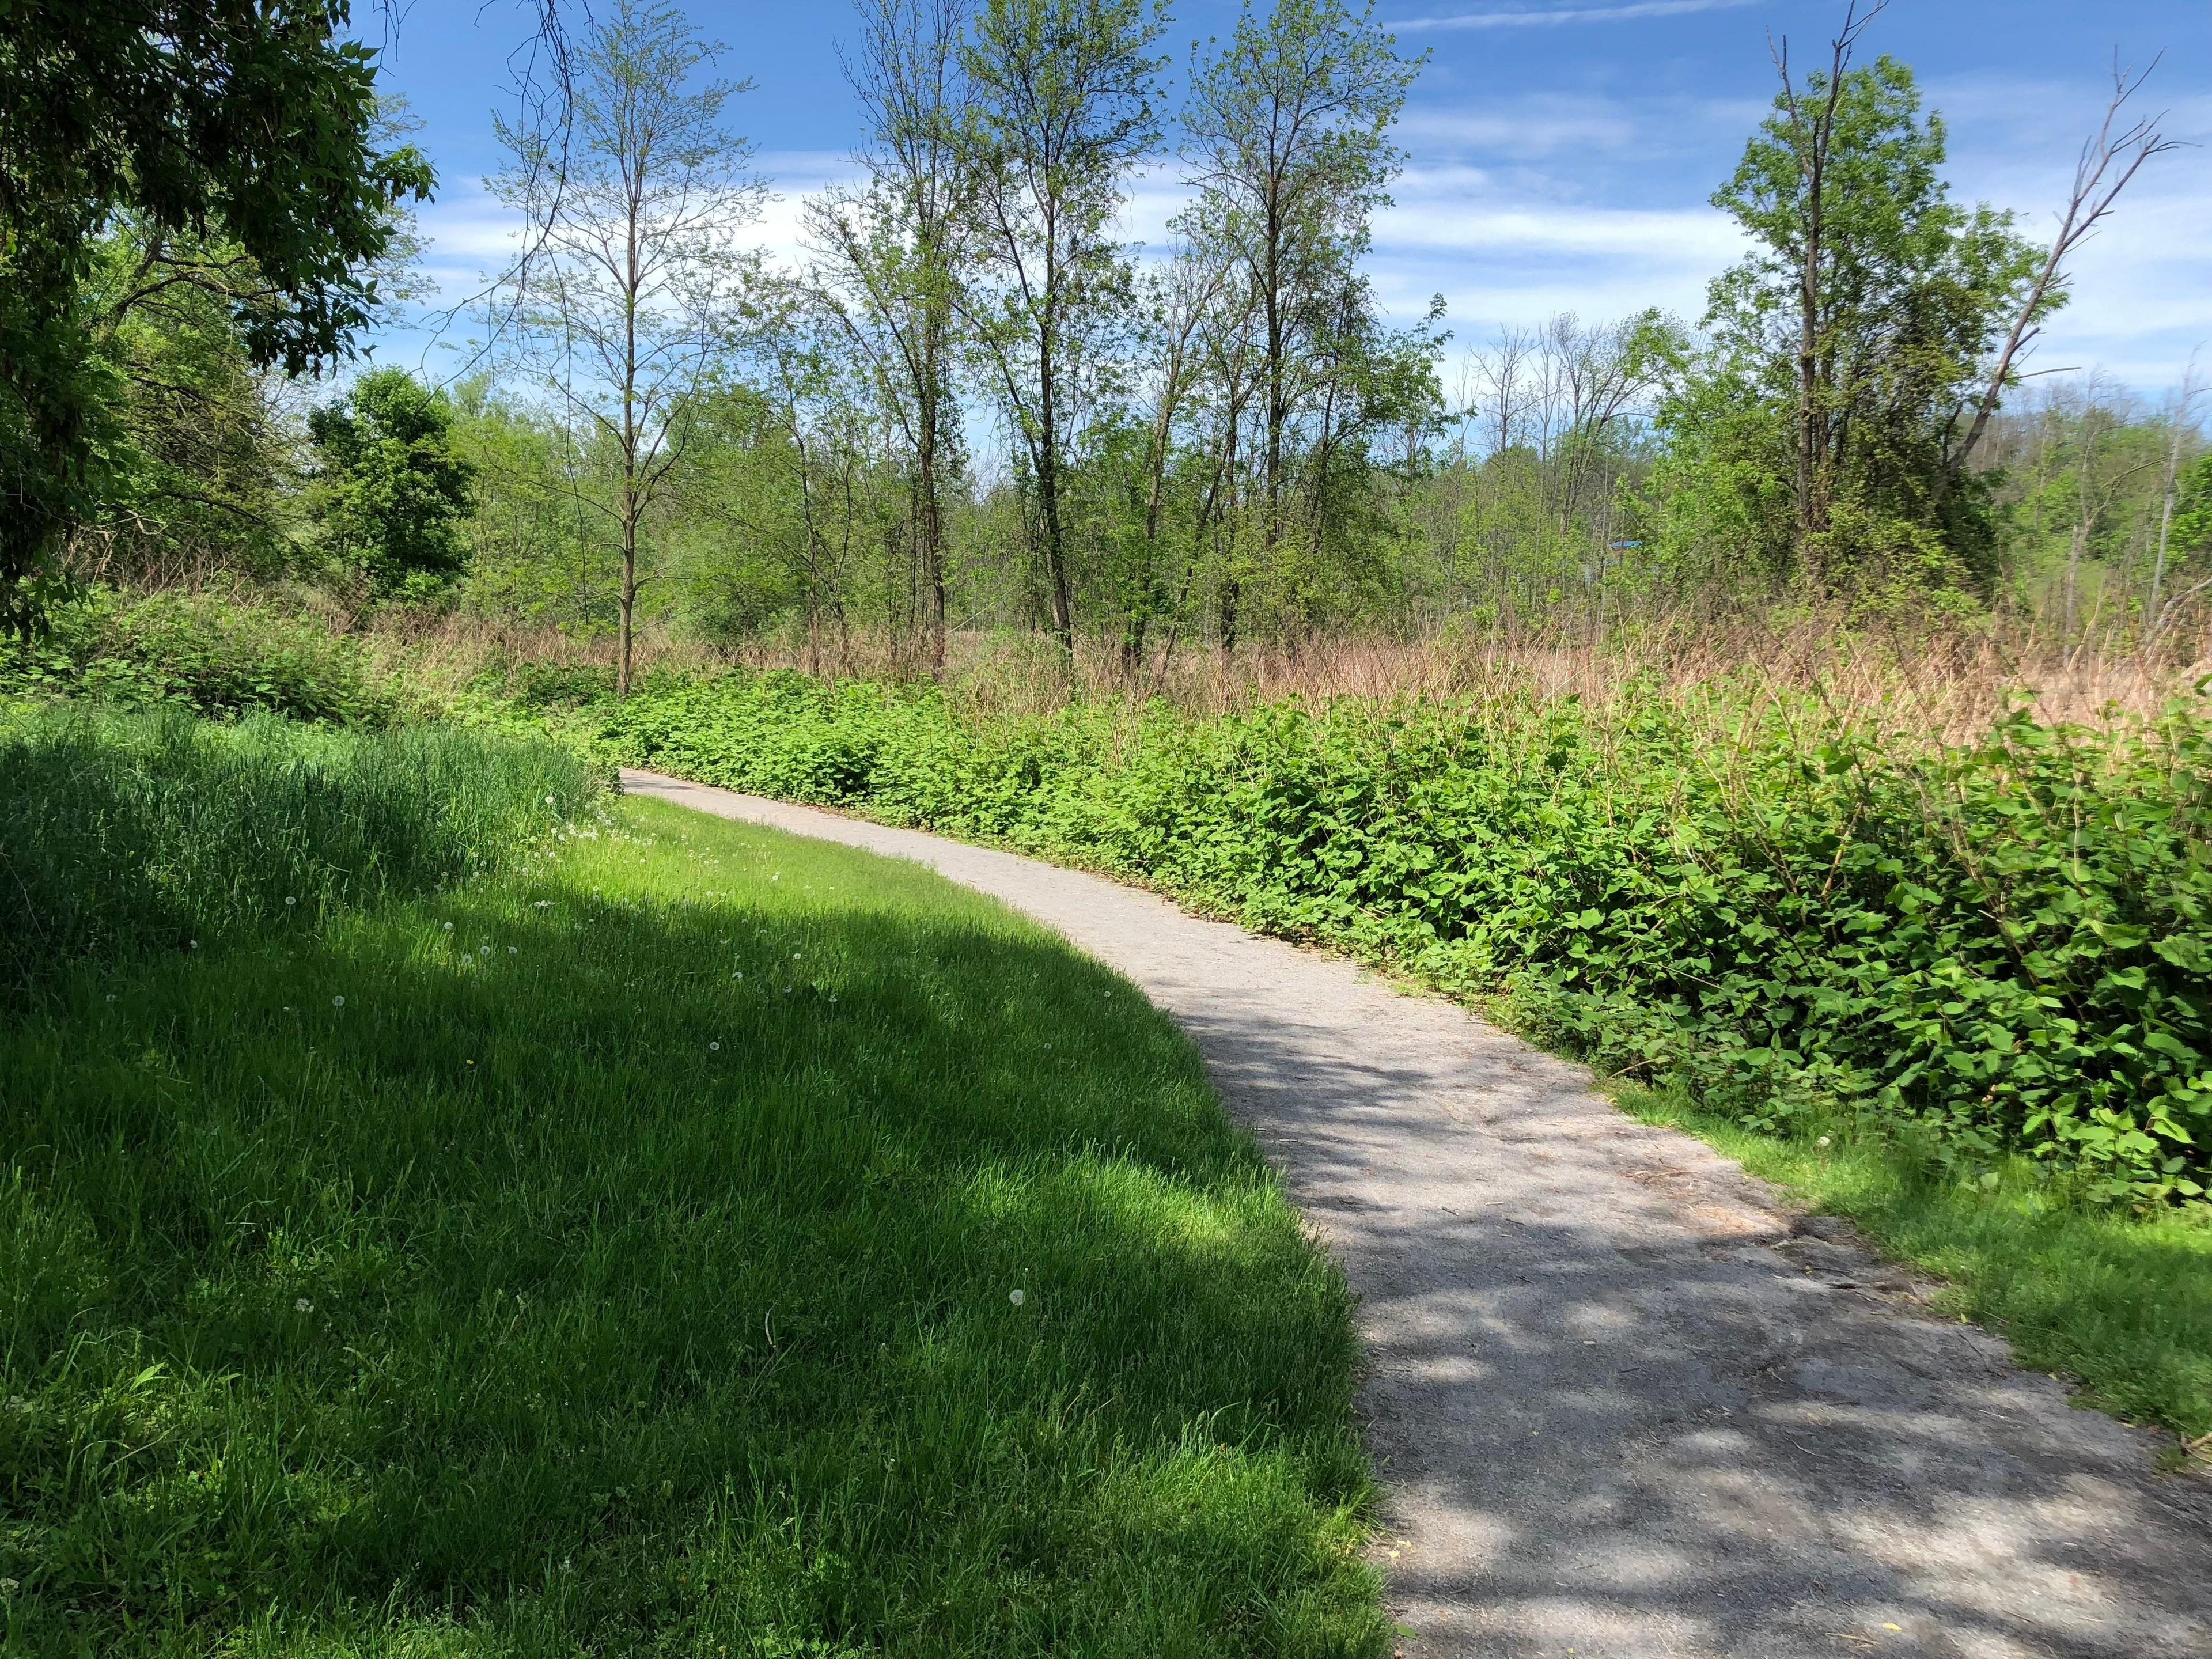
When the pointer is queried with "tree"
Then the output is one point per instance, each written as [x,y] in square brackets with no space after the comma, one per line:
[392,494]
[1288,141]
[256,122]
[1062,112]
[898,251]
[1871,309]
[627,297]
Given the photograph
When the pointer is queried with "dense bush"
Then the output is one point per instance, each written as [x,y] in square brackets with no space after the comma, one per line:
[196,652]
[123,832]
[2003,948]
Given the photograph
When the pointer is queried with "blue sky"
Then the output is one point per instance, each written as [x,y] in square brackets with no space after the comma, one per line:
[1560,152]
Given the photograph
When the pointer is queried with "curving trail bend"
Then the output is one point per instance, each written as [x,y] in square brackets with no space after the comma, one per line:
[1621,1409]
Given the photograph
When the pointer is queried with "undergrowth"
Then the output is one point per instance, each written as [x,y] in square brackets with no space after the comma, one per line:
[124,833]
[205,653]
[2007,945]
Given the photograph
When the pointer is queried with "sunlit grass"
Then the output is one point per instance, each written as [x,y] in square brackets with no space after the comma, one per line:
[620,1255]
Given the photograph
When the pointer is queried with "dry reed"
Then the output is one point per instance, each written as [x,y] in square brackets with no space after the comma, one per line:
[1945,686]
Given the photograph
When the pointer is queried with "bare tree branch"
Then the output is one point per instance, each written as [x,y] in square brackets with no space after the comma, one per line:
[2111,157]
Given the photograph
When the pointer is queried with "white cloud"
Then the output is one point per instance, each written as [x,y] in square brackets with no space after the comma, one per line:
[1510,20]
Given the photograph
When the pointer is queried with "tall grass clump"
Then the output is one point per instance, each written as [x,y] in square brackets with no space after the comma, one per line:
[123,833]
[2000,949]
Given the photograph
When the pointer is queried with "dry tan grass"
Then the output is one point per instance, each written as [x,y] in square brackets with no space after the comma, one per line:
[1946,685]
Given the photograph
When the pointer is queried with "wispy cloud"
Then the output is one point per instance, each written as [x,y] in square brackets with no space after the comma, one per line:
[1557,14]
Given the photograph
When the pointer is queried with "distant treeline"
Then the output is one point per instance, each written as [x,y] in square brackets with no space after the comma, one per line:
[974,406]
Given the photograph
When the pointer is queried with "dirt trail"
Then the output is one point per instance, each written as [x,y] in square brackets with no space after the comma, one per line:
[1620,1409]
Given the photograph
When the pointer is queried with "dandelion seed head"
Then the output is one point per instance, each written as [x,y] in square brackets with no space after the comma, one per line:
[1015,1297]
[714,1047]
[303,1306]
[337,1002]
[1822,1141]
[449,927]
[289,900]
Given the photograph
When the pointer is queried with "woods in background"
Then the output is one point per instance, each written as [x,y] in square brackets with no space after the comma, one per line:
[974,406]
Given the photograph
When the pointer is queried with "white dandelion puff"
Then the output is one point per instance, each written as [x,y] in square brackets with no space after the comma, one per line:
[1015,1297]
[337,1002]
[1822,1141]
[303,1306]
[715,1048]
[449,927]
[289,900]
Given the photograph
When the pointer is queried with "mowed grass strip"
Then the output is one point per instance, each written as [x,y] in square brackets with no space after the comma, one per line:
[696,1241]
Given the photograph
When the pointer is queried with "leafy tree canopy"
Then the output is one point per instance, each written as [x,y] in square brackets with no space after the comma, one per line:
[1878,299]
[249,118]
[394,494]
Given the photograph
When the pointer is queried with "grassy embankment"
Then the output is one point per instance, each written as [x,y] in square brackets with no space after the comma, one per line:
[1962,994]
[436,1220]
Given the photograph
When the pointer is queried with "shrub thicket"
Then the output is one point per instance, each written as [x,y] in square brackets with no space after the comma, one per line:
[197,651]
[2003,947]
[127,832]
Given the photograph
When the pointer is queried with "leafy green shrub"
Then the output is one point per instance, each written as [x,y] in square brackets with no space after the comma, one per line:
[2001,947]
[123,832]
[197,651]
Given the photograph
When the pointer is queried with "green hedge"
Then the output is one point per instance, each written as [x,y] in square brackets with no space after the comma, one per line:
[127,832]
[2002,948]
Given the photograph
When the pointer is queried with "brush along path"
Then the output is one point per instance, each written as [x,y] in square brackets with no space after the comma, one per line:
[1619,1407]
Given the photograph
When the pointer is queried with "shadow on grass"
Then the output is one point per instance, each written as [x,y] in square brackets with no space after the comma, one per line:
[630,1275]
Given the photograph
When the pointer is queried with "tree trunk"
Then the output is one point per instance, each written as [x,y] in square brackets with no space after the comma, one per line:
[929,530]
[628,606]
[1047,464]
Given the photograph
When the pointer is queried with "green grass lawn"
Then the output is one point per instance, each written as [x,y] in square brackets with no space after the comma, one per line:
[690,1242]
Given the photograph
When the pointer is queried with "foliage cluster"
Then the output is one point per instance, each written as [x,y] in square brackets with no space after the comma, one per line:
[2001,948]
[250,134]
[392,495]
[617,1255]
[126,833]
[199,652]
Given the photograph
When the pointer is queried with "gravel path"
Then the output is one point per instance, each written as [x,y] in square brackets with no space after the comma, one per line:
[1620,1408]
